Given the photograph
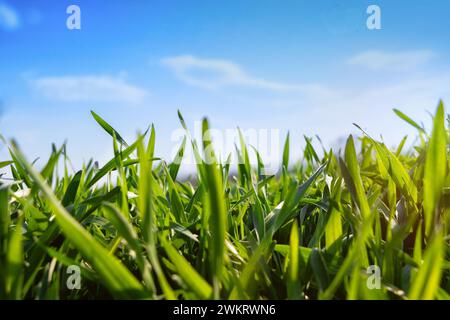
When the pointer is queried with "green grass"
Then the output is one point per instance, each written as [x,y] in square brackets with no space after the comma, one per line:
[138,231]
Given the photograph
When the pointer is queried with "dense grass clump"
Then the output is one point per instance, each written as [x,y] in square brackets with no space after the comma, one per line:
[322,229]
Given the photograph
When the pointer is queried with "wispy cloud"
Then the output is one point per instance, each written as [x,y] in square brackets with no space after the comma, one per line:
[217,73]
[9,18]
[402,61]
[88,88]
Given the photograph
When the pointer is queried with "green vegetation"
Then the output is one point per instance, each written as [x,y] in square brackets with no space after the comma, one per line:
[136,230]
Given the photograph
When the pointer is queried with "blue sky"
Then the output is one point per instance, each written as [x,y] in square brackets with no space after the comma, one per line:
[310,67]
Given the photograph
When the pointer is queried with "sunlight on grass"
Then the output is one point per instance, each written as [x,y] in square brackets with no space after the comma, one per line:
[311,232]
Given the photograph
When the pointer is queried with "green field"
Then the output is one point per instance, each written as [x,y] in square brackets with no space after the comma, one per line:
[321,229]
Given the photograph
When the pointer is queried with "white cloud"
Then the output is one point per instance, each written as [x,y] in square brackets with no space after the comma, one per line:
[88,88]
[371,107]
[9,18]
[402,61]
[216,73]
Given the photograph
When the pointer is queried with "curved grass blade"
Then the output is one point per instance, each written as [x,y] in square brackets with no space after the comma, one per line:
[435,169]
[189,275]
[293,284]
[71,192]
[5,163]
[426,283]
[408,120]
[216,208]
[14,263]
[110,130]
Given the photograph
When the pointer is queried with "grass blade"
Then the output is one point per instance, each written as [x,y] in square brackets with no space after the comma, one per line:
[435,169]
[110,130]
